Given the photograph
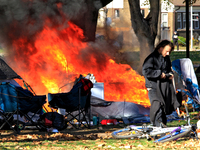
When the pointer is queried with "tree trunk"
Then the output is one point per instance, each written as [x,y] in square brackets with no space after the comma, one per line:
[158,37]
[144,28]
[91,21]
[87,20]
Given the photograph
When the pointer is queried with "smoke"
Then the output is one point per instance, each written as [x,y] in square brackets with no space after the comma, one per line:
[25,18]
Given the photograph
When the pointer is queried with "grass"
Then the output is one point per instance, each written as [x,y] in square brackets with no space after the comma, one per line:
[194,56]
[83,144]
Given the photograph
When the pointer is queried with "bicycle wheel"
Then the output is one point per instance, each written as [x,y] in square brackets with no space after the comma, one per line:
[173,136]
[125,133]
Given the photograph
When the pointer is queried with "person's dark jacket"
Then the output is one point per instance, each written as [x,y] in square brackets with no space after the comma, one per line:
[153,67]
[175,37]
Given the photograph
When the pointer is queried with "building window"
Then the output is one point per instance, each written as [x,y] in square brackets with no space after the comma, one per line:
[179,23]
[116,13]
[164,20]
[184,20]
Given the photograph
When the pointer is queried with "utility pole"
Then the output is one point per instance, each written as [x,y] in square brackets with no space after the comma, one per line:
[191,27]
[187,28]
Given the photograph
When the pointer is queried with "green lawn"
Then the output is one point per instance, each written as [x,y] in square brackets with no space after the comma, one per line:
[194,56]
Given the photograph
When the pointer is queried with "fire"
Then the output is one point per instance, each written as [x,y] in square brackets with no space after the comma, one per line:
[51,63]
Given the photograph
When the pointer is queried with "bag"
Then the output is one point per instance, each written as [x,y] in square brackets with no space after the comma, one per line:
[48,122]
[53,119]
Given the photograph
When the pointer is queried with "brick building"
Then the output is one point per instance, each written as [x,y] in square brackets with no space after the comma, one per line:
[114,22]
[179,19]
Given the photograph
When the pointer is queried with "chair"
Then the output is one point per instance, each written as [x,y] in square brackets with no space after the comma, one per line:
[186,81]
[76,103]
[19,103]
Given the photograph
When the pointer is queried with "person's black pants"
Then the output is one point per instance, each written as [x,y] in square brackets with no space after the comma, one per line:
[176,44]
[157,113]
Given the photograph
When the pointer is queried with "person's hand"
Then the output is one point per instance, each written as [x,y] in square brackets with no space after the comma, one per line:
[163,76]
[171,76]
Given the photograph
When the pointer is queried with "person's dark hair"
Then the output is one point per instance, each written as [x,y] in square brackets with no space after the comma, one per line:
[164,43]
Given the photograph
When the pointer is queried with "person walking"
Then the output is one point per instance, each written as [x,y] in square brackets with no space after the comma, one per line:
[158,81]
[175,39]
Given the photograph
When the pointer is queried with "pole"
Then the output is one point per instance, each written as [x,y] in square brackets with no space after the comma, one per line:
[187,28]
[191,28]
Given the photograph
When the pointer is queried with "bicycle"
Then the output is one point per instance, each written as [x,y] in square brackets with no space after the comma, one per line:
[163,134]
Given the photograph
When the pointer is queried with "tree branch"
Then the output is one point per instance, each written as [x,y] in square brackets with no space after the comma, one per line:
[105,2]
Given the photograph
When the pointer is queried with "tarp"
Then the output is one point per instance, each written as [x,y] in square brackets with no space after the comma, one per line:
[119,110]
[129,112]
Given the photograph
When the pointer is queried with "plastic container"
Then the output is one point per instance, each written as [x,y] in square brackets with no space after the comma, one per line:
[95,120]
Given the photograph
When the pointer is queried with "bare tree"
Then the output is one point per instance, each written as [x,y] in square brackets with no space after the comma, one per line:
[145,28]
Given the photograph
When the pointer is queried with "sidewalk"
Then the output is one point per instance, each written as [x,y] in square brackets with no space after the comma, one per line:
[182,50]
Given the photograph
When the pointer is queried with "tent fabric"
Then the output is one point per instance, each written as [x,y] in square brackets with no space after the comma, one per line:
[118,110]
[184,68]
[6,72]
[98,102]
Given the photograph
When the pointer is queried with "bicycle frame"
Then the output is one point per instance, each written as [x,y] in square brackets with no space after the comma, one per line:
[149,131]
[173,133]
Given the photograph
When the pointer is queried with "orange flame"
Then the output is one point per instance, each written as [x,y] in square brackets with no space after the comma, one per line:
[57,57]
